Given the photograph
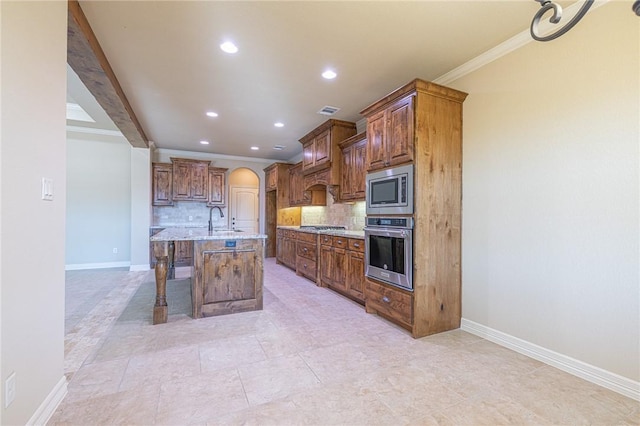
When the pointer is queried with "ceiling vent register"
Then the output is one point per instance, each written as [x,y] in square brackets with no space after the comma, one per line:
[328,110]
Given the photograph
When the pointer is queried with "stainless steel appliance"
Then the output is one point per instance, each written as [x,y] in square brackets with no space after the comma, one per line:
[390,191]
[388,250]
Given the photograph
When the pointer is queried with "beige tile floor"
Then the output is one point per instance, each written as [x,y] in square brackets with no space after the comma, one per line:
[310,357]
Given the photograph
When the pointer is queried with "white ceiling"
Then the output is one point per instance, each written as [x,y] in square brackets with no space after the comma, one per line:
[166,57]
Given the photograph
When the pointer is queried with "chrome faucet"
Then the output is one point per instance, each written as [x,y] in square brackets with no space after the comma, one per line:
[211,216]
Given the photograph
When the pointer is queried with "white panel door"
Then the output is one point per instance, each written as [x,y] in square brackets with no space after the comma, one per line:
[244,209]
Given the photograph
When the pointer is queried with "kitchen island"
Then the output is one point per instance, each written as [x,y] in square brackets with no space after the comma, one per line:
[227,271]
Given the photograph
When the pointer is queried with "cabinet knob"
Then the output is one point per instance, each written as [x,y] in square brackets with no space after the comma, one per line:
[385,299]
[305,249]
[356,245]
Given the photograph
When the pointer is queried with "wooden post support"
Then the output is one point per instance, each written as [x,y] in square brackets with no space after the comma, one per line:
[160,309]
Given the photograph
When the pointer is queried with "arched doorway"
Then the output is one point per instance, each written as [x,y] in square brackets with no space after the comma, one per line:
[244,204]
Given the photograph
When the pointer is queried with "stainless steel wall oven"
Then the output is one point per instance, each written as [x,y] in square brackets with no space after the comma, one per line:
[389,250]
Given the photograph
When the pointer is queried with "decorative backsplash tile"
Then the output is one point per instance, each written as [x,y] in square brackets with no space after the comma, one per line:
[179,213]
[350,216]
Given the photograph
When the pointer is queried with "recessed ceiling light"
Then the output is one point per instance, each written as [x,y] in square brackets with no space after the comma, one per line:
[204,142]
[279,147]
[278,124]
[212,114]
[329,74]
[229,47]
[254,148]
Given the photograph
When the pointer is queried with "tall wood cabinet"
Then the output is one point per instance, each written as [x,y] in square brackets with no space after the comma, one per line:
[422,122]
[277,212]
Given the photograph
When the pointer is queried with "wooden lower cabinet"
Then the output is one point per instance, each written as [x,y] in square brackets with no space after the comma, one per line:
[328,260]
[342,265]
[227,280]
[183,253]
[307,255]
[355,274]
[286,248]
[390,302]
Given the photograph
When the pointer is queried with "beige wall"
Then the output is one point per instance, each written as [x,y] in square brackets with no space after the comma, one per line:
[33,44]
[550,193]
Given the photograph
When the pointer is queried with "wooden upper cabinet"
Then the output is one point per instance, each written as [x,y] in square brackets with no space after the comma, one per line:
[354,155]
[376,141]
[162,184]
[320,146]
[190,180]
[271,178]
[298,196]
[390,134]
[217,184]
[277,179]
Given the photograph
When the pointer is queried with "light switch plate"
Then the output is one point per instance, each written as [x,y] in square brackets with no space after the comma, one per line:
[47,189]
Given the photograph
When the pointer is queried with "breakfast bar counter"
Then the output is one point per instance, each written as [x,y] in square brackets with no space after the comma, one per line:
[227,273]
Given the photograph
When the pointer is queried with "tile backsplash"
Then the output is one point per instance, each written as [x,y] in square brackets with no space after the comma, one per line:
[179,213]
[350,216]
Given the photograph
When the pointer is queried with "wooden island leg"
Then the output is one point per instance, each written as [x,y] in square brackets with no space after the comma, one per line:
[160,310]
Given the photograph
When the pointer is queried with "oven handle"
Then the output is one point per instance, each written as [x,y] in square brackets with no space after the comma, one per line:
[388,232]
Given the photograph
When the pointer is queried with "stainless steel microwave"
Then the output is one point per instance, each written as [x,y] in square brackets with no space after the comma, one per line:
[390,191]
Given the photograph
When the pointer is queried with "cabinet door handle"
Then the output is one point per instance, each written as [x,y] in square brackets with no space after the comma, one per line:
[304,249]
[385,299]
[356,245]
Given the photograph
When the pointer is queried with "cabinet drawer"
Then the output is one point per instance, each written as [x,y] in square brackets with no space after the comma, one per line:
[340,242]
[306,236]
[306,267]
[393,302]
[306,250]
[356,245]
[326,239]
[289,233]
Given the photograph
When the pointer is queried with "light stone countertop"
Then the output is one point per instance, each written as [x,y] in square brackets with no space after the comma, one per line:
[198,234]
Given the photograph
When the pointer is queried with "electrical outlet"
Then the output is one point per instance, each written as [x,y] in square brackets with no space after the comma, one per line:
[115,250]
[10,390]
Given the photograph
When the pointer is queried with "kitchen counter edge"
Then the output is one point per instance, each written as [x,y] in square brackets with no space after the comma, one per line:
[200,234]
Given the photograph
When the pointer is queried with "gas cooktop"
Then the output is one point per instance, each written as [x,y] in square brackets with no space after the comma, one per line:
[322,227]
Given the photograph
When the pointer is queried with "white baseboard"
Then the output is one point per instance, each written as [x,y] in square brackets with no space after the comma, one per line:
[77,266]
[50,404]
[143,267]
[593,374]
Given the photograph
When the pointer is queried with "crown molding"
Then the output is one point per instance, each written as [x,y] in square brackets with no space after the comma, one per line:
[516,42]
